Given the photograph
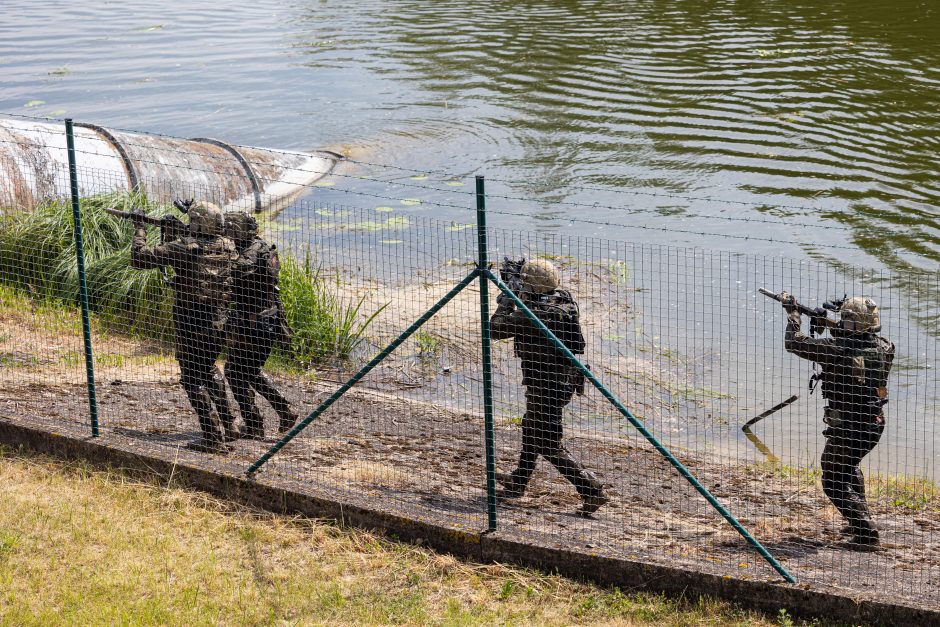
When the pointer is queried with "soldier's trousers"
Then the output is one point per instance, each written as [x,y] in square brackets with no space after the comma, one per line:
[198,343]
[542,434]
[842,478]
[249,347]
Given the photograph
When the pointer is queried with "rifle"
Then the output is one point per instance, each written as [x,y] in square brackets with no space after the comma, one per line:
[510,272]
[819,318]
[171,227]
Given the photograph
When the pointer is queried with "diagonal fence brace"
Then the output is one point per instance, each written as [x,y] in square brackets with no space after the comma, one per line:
[643,430]
[322,407]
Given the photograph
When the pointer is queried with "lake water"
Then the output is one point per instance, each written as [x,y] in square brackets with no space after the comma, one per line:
[824,117]
[718,125]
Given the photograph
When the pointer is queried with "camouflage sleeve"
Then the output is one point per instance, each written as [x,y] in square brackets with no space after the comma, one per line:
[145,257]
[888,346]
[508,323]
[820,350]
[570,332]
[248,258]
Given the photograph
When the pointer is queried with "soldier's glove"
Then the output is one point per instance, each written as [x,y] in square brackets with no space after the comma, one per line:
[137,217]
[184,205]
[788,302]
[504,301]
[817,326]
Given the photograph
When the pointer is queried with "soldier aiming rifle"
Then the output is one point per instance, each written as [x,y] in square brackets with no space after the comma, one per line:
[550,379]
[202,261]
[854,365]
[171,227]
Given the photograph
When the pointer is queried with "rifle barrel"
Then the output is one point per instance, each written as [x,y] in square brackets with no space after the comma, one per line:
[137,217]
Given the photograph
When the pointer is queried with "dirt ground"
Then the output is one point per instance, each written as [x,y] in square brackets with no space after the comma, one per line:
[421,460]
[409,440]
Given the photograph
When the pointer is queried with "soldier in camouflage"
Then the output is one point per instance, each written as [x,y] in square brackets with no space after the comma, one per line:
[854,364]
[202,262]
[256,323]
[549,378]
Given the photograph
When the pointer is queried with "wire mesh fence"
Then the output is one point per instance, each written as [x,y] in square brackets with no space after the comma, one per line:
[193,346]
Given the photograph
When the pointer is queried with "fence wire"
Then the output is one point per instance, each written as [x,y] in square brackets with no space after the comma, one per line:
[188,331]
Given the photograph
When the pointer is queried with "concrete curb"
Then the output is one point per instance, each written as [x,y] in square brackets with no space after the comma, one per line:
[628,575]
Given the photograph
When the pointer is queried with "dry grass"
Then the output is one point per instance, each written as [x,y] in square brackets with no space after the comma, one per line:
[90,547]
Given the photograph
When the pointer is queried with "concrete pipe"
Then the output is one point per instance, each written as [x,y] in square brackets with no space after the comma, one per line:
[34,167]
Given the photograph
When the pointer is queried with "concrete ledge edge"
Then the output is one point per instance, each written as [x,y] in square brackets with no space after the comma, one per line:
[628,575]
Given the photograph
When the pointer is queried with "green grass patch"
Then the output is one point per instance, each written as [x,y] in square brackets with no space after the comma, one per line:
[85,546]
[807,476]
[37,257]
[324,326]
[429,345]
[915,494]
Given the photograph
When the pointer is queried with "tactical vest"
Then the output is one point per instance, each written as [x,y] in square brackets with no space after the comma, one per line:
[204,274]
[256,285]
[542,362]
[858,384]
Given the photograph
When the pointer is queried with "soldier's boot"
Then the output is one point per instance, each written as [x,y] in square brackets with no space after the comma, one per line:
[266,389]
[210,438]
[585,482]
[208,445]
[254,424]
[592,493]
[515,483]
[219,398]
[592,502]
[287,421]
[510,489]
[862,529]
[846,490]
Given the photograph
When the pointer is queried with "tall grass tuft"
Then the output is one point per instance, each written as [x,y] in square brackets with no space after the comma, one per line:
[37,257]
[323,327]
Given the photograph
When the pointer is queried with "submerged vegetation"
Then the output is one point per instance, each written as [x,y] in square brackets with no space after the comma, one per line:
[37,258]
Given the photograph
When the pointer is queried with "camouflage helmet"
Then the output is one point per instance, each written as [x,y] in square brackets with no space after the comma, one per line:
[241,226]
[206,219]
[860,315]
[540,276]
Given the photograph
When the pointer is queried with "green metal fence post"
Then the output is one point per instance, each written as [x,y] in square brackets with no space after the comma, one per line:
[322,407]
[728,516]
[489,434]
[82,285]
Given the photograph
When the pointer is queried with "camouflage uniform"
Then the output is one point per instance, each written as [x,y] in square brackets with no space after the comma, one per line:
[550,381]
[256,323]
[854,375]
[202,288]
